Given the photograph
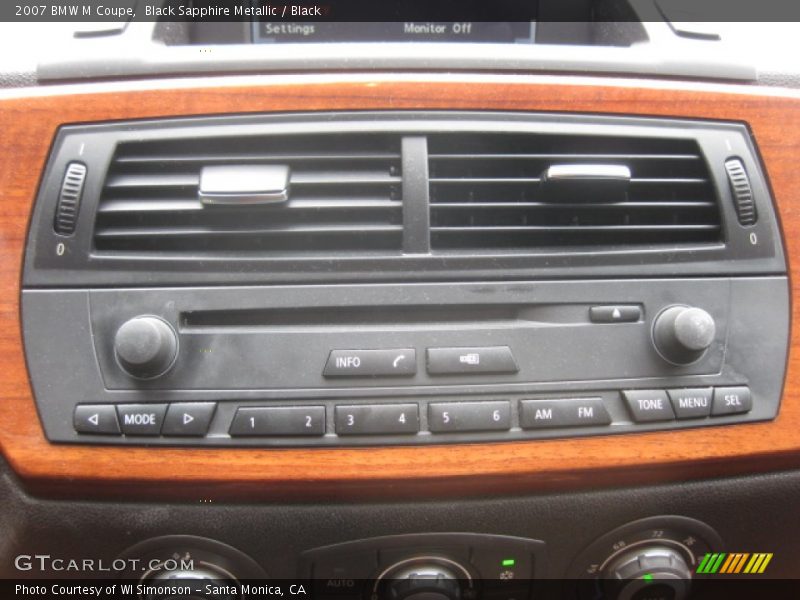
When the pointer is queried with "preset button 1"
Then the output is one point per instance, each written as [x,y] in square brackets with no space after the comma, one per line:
[279,420]
[563,412]
[371,363]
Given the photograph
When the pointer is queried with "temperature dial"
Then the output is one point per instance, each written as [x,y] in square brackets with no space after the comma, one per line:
[652,572]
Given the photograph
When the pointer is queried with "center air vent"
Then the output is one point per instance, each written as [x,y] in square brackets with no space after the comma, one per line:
[491,191]
[402,196]
[344,196]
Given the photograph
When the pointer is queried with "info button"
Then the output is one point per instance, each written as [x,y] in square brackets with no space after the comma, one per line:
[371,363]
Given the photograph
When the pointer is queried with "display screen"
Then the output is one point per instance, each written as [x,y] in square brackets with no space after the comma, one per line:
[272,32]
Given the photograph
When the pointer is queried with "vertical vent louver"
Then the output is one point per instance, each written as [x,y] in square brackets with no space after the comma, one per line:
[486,192]
[345,195]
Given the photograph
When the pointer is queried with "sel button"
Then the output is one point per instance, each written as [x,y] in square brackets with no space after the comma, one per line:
[141,419]
[732,400]
[188,418]
[648,405]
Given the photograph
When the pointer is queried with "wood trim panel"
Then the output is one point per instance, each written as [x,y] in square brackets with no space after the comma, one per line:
[28,121]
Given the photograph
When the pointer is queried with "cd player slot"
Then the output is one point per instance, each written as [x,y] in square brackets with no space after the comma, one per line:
[383,317]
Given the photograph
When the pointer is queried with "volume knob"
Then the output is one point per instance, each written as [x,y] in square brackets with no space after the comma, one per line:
[682,334]
[146,347]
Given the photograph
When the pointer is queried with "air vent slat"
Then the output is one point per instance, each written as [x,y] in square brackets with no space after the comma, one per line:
[167,205]
[188,232]
[344,195]
[241,157]
[487,193]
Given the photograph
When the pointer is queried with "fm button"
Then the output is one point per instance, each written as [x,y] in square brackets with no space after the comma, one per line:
[371,363]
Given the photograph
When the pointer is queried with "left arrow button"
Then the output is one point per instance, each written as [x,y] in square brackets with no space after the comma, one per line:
[96,418]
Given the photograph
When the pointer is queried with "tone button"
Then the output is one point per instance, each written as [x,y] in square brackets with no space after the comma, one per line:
[648,405]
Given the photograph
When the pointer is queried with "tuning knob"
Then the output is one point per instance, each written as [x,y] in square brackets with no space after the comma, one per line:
[146,347]
[682,334]
[651,572]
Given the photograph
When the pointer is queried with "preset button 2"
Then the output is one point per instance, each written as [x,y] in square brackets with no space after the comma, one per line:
[371,363]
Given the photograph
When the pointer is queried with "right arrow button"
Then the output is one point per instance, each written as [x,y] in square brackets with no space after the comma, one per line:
[188,418]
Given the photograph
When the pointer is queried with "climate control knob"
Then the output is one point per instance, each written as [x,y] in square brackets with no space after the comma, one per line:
[146,347]
[651,572]
[682,334]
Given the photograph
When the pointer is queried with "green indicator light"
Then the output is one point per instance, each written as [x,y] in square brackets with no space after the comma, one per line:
[508,562]
[647,577]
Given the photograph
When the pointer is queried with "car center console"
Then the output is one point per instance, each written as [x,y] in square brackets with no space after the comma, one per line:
[388,278]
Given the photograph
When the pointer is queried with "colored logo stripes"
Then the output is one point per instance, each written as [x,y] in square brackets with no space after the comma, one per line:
[734,563]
